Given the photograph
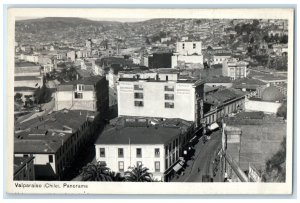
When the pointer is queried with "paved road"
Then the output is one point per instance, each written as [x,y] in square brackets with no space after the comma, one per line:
[204,158]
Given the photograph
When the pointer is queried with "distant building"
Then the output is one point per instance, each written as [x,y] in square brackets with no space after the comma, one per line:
[28,78]
[53,140]
[85,94]
[24,168]
[71,56]
[165,96]
[234,69]
[188,53]
[156,144]
[219,58]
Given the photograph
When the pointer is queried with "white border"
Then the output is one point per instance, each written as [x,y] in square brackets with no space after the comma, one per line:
[154,188]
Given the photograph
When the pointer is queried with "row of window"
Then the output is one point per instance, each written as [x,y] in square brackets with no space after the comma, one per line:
[167,88]
[138,152]
[139,95]
[138,163]
[167,104]
[194,46]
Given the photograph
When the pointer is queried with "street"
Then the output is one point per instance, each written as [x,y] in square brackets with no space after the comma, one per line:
[203,163]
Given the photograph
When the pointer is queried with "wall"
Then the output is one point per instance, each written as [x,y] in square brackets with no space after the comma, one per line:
[186,59]
[43,160]
[148,159]
[188,48]
[66,99]
[267,107]
[154,100]
[29,83]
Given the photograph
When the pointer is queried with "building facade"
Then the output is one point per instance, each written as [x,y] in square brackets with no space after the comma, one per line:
[234,69]
[84,94]
[189,53]
[152,143]
[161,98]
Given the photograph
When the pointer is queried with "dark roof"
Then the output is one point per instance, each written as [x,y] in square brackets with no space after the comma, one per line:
[218,80]
[29,89]
[20,78]
[224,96]
[92,80]
[24,64]
[138,135]
[47,133]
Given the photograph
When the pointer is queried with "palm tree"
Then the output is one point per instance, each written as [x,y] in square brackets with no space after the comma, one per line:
[96,172]
[138,174]
[116,176]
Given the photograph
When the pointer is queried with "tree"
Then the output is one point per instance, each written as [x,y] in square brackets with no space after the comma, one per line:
[281,112]
[138,174]
[96,172]
[275,167]
[42,95]
[18,97]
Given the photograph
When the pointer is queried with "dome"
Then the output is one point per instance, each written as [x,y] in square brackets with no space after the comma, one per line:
[271,94]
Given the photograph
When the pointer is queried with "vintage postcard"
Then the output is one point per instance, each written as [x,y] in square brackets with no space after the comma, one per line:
[150,101]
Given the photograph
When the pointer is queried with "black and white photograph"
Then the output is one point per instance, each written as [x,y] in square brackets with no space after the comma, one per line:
[159,99]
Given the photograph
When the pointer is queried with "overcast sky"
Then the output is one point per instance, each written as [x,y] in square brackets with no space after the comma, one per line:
[99,19]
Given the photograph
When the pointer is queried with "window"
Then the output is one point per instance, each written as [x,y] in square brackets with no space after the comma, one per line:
[183,46]
[51,158]
[139,103]
[157,166]
[120,152]
[25,155]
[169,96]
[138,95]
[166,150]
[169,88]
[167,165]
[78,95]
[173,144]
[156,152]
[80,87]
[139,152]
[169,105]
[102,152]
[138,87]
[194,45]
[121,166]
[138,163]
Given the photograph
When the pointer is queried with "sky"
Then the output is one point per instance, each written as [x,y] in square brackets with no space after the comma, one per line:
[99,19]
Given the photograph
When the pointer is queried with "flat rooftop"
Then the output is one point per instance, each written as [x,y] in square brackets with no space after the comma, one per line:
[143,130]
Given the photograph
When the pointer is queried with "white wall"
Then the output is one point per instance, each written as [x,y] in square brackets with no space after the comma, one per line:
[148,157]
[154,100]
[186,59]
[188,48]
[267,107]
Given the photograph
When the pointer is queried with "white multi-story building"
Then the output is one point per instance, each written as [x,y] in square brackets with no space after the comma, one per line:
[189,53]
[234,69]
[161,97]
[158,147]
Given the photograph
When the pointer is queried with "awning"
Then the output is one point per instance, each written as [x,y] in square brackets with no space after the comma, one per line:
[213,126]
[178,166]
